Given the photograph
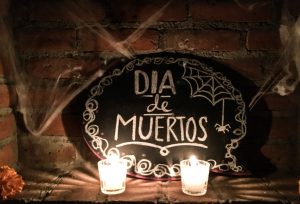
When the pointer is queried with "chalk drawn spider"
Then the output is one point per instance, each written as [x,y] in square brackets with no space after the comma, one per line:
[222,128]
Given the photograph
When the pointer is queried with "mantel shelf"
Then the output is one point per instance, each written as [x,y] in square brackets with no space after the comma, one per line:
[82,185]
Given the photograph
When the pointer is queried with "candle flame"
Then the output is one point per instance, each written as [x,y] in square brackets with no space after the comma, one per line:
[113,158]
[193,160]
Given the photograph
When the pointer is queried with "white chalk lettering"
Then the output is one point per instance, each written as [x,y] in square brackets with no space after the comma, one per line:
[188,128]
[167,77]
[154,82]
[159,128]
[142,83]
[142,136]
[203,138]
[137,75]
[155,106]
[120,118]
[180,118]
[170,128]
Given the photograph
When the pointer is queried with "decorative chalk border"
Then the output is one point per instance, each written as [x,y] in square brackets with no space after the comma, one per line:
[144,167]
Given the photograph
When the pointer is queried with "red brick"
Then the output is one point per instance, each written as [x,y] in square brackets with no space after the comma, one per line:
[249,68]
[5,72]
[66,125]
[4,96]
[9,154]
[7,126]
[232,11]
[175,11]
[94,42]
[41,40]
[45,151]
[203,40]
[132,10]
[52,68]
[263,40]
[55,128]
[39,102]
[70,11]
[1,69]
[36,97]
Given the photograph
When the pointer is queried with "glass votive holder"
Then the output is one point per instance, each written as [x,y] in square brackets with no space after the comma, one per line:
[194,176]
[112,173]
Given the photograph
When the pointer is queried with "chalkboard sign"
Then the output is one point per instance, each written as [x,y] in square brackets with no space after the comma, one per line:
[157,109]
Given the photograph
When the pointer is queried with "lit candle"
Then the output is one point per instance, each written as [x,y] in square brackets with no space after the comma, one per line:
[194,176]
[112,173]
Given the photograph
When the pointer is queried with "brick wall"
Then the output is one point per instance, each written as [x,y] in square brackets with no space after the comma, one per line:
[8,128]
[8,133]
[51,36]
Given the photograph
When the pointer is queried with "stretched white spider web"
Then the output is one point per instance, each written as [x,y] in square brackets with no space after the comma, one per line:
[205,84]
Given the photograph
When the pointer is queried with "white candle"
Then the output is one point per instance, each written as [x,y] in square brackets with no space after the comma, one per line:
[194,176]
[112,173]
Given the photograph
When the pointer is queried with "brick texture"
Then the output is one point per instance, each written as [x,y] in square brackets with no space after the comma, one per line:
[41,40]
[52,37]
[46,152]
[9,154]
[7,126]
[263,40]
[250,68]
[232,11]
[4,96]
[220,40]
[70,11]
[92,41]
[6,72]
[133,10]
[65,68]
[1,69]
[66,124]
[55,128]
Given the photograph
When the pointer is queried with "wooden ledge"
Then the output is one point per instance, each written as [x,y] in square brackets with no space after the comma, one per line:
[81,185]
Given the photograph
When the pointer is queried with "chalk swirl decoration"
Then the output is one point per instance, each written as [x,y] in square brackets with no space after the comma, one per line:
[144,167]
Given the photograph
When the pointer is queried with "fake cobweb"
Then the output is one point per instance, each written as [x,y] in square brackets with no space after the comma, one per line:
[72,79]
[286,73]
[206,85]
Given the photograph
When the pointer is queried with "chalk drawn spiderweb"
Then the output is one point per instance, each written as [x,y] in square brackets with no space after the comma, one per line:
[211,86]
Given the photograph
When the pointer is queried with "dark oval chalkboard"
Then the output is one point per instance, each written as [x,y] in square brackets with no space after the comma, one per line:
[157,109]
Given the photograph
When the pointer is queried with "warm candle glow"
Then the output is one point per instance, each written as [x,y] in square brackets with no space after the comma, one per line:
[194,176]
[113,158]
[112,172]
[193,160]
